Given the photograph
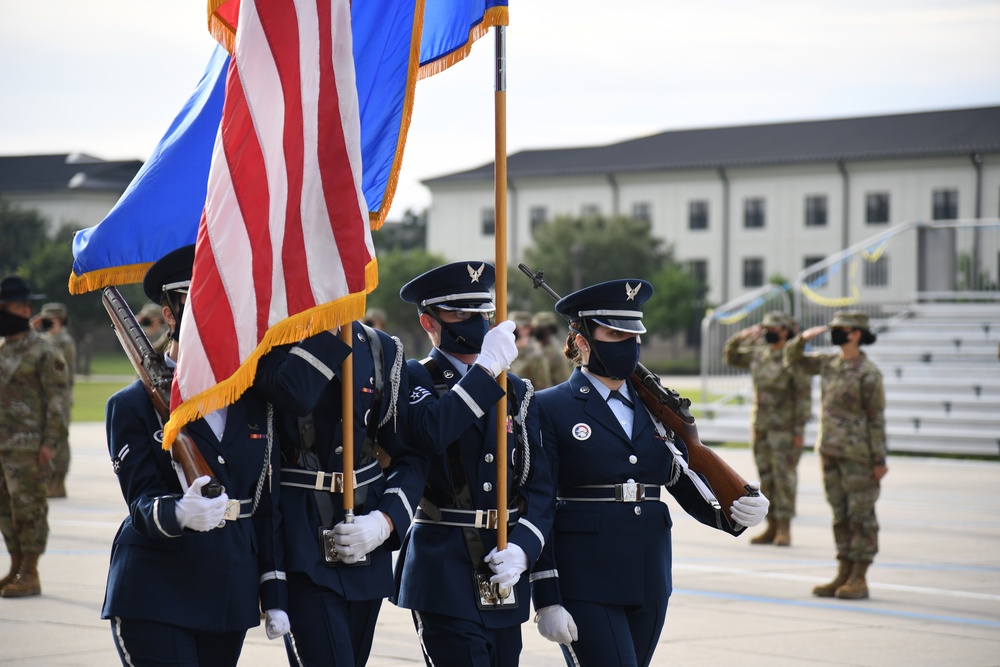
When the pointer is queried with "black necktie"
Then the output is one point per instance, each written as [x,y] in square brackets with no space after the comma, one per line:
[617,394]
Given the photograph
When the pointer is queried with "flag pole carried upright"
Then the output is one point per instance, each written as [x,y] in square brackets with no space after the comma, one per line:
[347,422]
[500,228]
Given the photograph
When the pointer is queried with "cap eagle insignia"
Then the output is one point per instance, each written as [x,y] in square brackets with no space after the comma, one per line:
[630,292]
[475,273]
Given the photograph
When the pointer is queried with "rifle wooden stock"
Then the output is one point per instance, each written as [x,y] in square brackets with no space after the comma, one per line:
[668,406]
[157,379]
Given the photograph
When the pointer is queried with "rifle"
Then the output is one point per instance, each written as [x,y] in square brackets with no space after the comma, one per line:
[157,379]
[673,411]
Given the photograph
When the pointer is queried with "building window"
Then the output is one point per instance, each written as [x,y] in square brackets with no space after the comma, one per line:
[590,211]
[699,269]
[489,222]
[698,214]
[877,272]
[537,216]
[753,272]
[753,213]
[642,211]
[816,278]
[877,208]
[816,211]
[945,204]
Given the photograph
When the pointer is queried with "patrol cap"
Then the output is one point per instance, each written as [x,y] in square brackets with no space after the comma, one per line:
[615,304]
[545,318]
[53,309]
[457,286]
[151,310]
[521,318]
[16,288]
[776,319]
[170,272]
[854,320]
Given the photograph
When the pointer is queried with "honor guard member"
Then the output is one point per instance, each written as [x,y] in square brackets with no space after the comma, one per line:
[51,321]
[782,405]
[34,389]
[851,444]
[467,598]
[602,584]
[189,574]
[338,573]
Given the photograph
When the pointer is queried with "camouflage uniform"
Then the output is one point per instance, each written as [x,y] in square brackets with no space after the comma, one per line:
[560,367]
[782,404]
[33,394]
[851,443]
[64,341]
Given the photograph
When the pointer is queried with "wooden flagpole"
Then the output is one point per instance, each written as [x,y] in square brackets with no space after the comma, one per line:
[500,219]
[347,421]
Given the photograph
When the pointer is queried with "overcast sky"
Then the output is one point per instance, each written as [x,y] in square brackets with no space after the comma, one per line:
[106,77]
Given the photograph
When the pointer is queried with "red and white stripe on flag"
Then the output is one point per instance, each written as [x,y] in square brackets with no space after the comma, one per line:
[284,248]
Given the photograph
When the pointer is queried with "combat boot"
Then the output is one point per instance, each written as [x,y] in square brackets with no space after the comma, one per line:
[856,587]
[15,567]
[767,537]
[828,590]
[57,487]
[26,583]
[783,536]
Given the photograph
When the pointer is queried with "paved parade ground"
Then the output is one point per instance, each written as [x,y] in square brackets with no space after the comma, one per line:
[935,585]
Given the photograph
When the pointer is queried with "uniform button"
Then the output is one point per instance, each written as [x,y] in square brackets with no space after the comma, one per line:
[633,459]
[487,486]
[630,481]
[637,510]
[339,450]
[488,458]
[222,460]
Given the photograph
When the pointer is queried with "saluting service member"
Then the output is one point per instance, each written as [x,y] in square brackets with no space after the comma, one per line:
[782,405]
[189,574]
[602,584]
[338,572]
[34,390]
[468,598]
[851,444]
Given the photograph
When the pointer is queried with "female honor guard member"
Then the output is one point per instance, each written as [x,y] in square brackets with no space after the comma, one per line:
[190,574]
[469,599]
[338,573]
[602,584]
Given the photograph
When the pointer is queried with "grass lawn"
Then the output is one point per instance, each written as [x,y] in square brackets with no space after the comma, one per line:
[89,399]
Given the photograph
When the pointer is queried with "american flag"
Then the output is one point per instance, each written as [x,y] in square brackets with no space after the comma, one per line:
[284,248]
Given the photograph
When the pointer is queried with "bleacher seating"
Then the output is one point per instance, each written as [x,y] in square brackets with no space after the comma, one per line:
[942,381]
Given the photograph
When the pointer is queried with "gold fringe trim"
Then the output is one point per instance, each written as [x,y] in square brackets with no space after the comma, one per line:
[376,218]
[493,17]
[290,330]
[223,32]
[118,275]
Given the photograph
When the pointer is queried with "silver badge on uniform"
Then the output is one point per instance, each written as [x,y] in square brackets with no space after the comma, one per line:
[584,390]
[582,431]
[449,374]
[158,436]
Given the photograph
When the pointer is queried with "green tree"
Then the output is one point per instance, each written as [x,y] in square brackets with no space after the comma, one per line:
[395,269]
[678,302]
[20,231]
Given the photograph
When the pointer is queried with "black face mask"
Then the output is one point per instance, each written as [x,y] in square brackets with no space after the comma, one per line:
[11,324]
[616,360]
[772,337]
[838,336]
[465,336]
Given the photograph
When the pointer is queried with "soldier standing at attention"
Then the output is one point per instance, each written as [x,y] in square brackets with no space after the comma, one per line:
[851,444]
[602,584]
[468,598]
[531,363]
[34,387]
[51,321]
[545,329]
[782,403]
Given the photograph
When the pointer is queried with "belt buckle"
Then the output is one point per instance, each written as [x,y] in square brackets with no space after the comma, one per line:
[232,512]
[336,481]
[486,519]
[630,492]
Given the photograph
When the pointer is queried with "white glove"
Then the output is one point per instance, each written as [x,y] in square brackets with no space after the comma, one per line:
[556,624]
[354,540]
[276,623]
[750,510]
[499,348]
[508,565]
[197,512]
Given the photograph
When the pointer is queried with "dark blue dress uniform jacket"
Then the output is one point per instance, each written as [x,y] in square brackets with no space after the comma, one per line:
[615,553]
[207,581]
[298,385]
[434,572]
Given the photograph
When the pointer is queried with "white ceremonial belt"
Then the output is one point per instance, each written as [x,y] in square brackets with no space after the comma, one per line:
[629,492]
[321,480]
[238,509]
[464,518]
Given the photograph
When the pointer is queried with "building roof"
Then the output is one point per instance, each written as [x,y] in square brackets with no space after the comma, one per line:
[66,171]
[901,136]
